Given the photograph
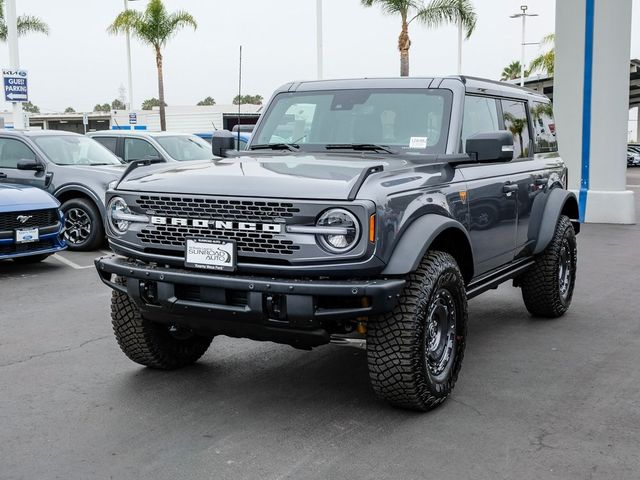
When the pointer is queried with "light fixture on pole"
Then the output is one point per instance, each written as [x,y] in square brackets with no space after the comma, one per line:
[523,15]
[14,56]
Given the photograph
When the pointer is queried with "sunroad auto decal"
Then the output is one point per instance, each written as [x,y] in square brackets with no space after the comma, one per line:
[218,224]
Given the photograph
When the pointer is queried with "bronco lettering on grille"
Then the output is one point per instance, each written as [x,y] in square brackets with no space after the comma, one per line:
[218,224]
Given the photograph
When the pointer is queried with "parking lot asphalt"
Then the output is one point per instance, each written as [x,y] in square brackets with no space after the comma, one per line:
[536,399]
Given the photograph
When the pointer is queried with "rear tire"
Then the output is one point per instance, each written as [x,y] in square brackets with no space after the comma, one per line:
[547,288]
[415,352]
[153,344]
[83,225]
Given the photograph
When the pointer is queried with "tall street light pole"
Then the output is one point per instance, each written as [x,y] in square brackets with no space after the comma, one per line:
[460,40]
[14,56]
[129,75]
[319,45]
[523,15]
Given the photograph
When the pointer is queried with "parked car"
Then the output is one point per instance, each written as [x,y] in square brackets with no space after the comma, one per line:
[31,224]
[633,157]
[367,209]
[241,140]
[132,145]
[73,168]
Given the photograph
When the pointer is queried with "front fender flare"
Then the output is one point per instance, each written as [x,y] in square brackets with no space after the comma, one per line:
[416,240]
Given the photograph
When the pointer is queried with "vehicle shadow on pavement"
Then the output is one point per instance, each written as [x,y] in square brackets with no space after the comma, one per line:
[264,379]
[9,267]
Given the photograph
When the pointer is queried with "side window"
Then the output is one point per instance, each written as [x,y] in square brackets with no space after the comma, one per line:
[480,115]
[109,142]
[12,151]
[515,121]
[544,127]
[137,149]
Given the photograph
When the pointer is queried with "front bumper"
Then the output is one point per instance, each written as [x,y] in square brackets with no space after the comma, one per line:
[47,244]
[294,311]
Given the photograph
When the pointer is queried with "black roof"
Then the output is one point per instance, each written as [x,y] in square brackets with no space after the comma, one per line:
[472,84]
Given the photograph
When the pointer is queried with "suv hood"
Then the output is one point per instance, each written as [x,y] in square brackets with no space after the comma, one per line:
[306,176]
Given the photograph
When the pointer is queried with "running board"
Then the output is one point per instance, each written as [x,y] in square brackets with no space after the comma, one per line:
[496,277]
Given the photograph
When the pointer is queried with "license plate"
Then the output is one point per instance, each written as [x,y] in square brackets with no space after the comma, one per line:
[210,254]
[27,235]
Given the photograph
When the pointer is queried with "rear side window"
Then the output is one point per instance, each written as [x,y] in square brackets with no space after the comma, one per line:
[480,116]
[137,149]
[515,120]
[12,151]
[544,127]
[109,142]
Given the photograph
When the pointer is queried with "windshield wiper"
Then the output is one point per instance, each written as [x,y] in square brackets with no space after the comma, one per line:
[292,147]
[363,147]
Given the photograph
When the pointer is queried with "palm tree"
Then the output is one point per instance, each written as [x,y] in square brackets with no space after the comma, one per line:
[513,71]
[545,62]
[26,24]
[432,14]
[155,26]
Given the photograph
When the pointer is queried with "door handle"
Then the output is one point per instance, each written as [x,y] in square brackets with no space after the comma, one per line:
[510,188]
[3,175]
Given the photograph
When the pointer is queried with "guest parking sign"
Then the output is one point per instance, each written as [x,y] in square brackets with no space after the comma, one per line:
[15,85]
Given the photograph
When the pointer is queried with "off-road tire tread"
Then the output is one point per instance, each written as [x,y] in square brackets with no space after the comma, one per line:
[395,352]
[540,284]
[149,344]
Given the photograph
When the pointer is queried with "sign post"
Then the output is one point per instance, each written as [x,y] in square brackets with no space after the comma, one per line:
[85,122]
[14,56]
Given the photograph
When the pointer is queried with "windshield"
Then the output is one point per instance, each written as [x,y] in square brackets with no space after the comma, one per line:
[75,150]
[402,120]
[186,147]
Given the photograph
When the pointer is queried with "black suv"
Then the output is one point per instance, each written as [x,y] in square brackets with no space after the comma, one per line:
[367,209]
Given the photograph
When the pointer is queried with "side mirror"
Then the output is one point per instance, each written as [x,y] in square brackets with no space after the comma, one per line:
[491,146]
[221,142]
[30,165]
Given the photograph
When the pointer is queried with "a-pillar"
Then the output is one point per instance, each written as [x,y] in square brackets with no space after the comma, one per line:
[591,101]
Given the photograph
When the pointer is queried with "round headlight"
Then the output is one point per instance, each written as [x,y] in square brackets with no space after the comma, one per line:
[342,230]
[118,206]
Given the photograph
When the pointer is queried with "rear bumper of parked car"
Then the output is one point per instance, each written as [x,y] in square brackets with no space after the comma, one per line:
[50,241]
[285,310]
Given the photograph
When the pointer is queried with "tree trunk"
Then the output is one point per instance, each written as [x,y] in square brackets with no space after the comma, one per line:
[163,121]
[404,43]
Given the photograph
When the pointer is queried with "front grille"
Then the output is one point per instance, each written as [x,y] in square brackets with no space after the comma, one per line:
[26,247]
[247,242]
[227,209]
[38,218]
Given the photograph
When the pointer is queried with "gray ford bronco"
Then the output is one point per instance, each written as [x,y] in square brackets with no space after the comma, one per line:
[370,209]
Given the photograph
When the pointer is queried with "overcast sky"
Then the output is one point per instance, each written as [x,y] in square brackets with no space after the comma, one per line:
[80,65]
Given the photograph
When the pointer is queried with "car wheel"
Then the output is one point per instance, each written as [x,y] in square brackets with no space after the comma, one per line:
[415,352]
[83,228]
[152,344]
[547,288]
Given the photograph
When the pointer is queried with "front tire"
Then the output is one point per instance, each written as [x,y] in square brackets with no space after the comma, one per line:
[415,352]
[547,288]
[152,344]
[83,225]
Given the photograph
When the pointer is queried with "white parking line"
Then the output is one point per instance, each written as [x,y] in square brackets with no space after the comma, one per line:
[69,263]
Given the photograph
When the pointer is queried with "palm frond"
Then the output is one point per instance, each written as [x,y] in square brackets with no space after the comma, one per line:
[391,6]
[439,12]
[31,24]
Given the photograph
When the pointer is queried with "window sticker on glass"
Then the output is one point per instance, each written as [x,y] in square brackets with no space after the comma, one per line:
[418,142]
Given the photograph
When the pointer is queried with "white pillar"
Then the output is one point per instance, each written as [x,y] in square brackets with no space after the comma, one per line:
[638,124]
[14,56]
[129,74]
[591,100]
